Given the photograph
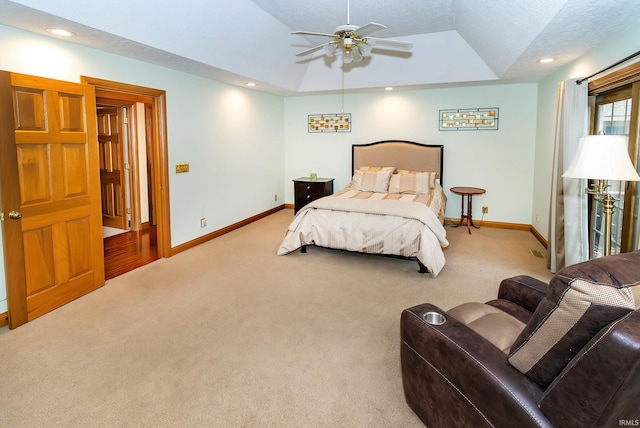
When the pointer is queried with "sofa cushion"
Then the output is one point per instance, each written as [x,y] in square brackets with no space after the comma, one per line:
[581,300]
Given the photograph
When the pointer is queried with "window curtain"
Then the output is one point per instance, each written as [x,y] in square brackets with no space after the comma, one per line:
[568,225]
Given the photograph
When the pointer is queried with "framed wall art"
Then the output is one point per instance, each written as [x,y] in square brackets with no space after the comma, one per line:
[325,123]
[469,119]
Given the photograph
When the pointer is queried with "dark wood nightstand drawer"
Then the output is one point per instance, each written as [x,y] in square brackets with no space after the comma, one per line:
[306,190]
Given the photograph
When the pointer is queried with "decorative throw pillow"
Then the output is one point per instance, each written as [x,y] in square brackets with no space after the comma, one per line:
[372,179]
[433,176]
[581,300]
[412,182]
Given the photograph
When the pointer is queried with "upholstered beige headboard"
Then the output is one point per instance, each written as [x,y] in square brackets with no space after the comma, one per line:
[401,154]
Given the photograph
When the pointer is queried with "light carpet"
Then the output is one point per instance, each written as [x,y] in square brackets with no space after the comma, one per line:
[228,334]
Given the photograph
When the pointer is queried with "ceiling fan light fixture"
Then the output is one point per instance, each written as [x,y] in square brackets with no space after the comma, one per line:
[365,49]
[353,41]
[330,49]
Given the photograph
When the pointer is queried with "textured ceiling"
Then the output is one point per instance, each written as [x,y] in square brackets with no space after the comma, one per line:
[455,42]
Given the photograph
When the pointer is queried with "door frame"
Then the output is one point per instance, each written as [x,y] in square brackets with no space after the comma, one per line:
[157,99]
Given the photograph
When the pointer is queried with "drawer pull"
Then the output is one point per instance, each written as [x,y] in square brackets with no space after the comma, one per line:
[308,187]
[308,196]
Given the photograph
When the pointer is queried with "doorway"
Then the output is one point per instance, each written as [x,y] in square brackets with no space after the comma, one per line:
[133,159]
[51,186]
[126,184]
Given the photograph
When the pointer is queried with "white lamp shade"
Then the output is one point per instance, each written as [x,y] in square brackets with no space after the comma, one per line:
[602,157]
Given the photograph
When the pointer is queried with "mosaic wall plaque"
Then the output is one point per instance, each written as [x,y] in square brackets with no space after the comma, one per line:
[329,122]
[469,119]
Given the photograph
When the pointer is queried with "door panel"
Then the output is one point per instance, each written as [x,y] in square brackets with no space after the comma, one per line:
[55,249]
[112,179]
[39,267]
[33,164]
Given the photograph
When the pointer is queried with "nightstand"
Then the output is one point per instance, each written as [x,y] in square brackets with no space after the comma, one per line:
[306,190]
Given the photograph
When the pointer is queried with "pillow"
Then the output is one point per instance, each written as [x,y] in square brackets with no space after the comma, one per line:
[581,300]
[412,182]
[434,178]
[372,179]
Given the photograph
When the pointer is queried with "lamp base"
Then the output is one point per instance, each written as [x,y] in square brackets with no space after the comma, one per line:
[608,204]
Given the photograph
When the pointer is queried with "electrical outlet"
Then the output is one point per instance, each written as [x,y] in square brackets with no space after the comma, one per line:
[203,222]
[485,210]
[275,197]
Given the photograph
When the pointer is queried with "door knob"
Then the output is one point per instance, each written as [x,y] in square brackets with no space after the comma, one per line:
[15,215]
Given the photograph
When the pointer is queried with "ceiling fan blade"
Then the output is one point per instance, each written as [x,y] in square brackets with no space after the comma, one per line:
[313,49]
[369,28]
[311,33]
[357,55]
[395,44]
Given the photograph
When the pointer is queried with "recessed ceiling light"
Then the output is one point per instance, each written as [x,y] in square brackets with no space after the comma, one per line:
[60,32]
[251,84]
[545,60]
[389,88]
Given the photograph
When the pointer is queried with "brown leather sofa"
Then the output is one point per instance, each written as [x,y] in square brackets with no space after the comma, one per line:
[566,354]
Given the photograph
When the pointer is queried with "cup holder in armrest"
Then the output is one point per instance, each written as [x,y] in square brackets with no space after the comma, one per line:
[434,318]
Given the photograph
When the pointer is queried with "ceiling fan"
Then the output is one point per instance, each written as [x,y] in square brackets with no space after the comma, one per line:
[352,41]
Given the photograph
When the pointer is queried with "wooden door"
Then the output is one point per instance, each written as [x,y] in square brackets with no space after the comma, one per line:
[112,167]
[50,182]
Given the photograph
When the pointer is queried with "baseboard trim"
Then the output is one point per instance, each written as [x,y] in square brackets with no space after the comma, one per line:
[502,225]
[494,224]
[4,319]
[209,236]
[540,238]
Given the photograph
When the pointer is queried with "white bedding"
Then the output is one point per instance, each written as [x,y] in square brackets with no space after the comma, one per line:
[375,223]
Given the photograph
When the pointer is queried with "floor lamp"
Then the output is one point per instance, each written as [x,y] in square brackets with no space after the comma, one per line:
[601,158]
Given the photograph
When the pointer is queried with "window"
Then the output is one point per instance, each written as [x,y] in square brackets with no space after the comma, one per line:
[615,102]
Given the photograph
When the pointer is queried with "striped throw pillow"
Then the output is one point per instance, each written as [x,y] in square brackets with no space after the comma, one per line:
[372,179]
[412,182]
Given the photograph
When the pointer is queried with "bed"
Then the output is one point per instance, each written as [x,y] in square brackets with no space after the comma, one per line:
[393,206]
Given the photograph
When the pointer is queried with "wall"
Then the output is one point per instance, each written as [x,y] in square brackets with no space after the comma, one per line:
[232,137]
[500,161]
[611,51]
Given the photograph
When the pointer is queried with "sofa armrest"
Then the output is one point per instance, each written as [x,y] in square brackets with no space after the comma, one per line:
[523,290]
[453,377]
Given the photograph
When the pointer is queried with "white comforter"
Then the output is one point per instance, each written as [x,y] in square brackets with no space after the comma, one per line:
[372,225]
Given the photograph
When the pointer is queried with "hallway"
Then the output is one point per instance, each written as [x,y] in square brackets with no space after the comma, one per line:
[128,251]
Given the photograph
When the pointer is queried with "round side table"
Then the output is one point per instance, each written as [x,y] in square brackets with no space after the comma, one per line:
[467,192]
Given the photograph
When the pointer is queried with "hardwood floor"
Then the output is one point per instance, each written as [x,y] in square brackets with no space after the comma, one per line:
[128,251]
